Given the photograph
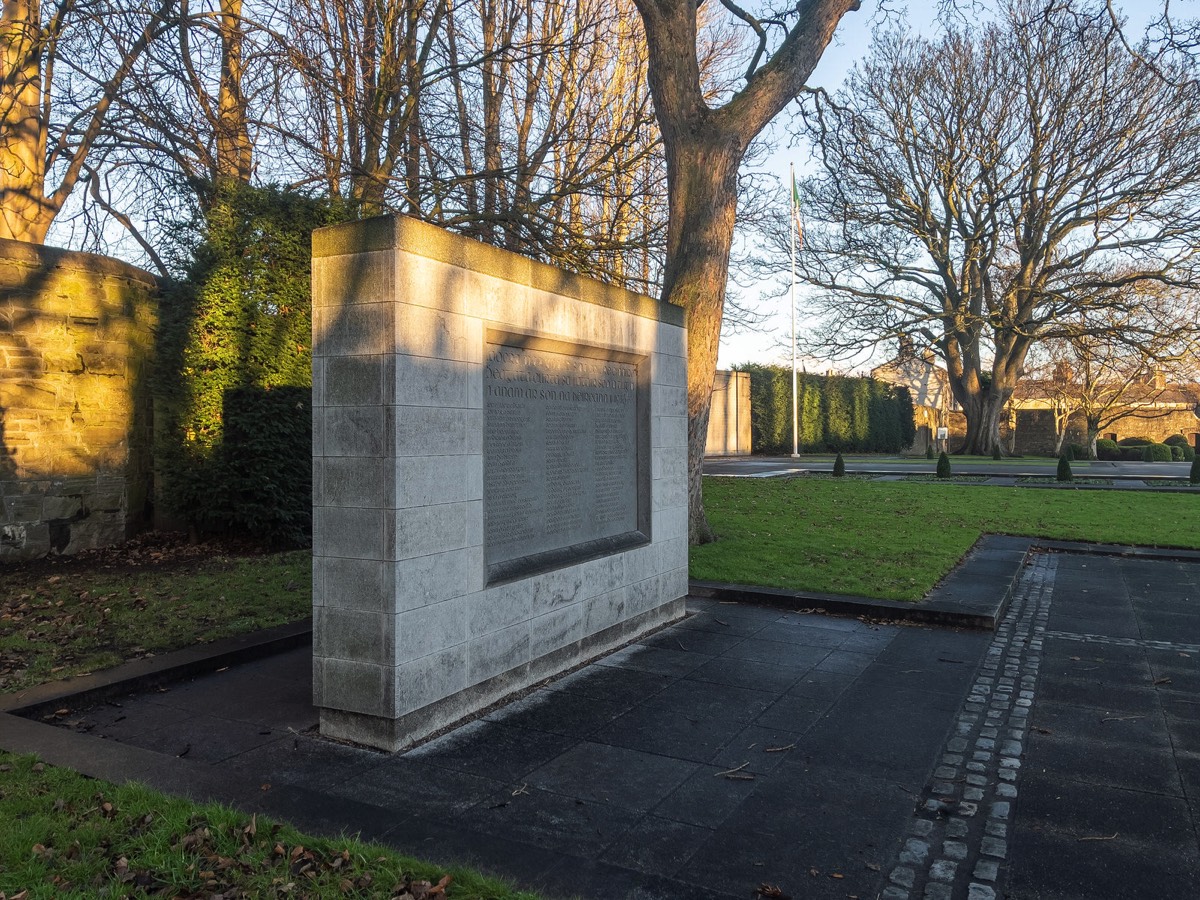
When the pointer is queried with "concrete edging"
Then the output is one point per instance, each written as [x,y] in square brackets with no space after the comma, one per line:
[966,597]
[151,672]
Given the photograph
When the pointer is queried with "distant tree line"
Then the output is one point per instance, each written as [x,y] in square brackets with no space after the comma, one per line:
[836,413]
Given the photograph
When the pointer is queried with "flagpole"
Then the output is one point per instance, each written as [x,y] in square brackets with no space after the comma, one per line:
[795,406]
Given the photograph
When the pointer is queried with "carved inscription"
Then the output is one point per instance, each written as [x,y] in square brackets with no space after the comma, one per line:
[560,451]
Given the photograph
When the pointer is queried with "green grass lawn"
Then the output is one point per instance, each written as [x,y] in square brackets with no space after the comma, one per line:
[60,622]
[895,540]
[64,835]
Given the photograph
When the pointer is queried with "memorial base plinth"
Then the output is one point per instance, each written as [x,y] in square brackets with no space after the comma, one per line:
[392,735]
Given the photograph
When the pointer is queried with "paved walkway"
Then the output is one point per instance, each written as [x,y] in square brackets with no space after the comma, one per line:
[1058,757]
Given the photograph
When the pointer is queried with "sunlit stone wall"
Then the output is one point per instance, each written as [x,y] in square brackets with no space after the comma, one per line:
[499,474]
[75,410]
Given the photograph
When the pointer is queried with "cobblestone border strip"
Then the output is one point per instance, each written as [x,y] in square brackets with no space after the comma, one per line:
[1124,642]
[957,840]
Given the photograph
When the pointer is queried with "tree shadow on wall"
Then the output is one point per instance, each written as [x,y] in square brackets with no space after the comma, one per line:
[74,403]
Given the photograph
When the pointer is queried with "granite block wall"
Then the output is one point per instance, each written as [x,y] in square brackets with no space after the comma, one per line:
[413,628]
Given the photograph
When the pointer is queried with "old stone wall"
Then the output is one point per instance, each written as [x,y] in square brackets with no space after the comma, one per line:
[1035,429]
[75,412]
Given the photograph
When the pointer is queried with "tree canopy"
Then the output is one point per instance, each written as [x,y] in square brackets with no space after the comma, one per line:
[1026,179]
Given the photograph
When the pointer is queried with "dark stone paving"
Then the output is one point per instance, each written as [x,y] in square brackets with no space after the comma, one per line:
[741,746]
[1110,785]
[1058,757]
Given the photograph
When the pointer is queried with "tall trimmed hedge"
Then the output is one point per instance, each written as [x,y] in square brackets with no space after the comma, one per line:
[837,413]
[234,378]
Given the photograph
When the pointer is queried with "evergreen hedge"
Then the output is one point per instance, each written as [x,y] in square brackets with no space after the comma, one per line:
[837,414]
[234,377]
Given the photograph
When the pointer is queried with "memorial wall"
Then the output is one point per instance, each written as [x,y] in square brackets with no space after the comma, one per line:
[499,472]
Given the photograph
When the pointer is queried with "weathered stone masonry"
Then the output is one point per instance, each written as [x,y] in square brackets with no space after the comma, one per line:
[76,334]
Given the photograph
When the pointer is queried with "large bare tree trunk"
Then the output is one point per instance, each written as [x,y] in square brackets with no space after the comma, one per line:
[704,147]
[24,214]
[983,412]
[705,192]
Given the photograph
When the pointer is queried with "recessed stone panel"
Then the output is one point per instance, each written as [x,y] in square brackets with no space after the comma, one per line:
[561,457]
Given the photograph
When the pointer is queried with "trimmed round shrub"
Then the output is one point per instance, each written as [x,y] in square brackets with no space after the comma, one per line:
[1134,442]
[1156,453]
[1064,468]
[1176,453]
[1106,449]
[839,467]
[1134,454]
[1079,451]
[1183,445]
[943,465]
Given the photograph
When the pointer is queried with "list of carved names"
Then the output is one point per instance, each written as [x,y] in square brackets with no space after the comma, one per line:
[560,451]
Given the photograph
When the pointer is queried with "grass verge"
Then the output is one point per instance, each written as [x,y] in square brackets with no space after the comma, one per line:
[895,540]
[58,623]
[68,836]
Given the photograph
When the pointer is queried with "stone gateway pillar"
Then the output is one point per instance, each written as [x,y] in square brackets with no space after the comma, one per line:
[499,474]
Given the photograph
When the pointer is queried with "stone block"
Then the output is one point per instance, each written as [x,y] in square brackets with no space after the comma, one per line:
[357,687]
[62,507]
[422,430]
[668,400]
[555,630]
[425,282]
[431,628]
[605,610]
[424,530]
[348,481]
[439,334]
[432,677]
[354,431]
[668,432]
[352,634]
[498,652]
[363,380]
[421,580]
[668,370]
[671,342]
[424,381]
[349,279]
[431,480]
[501,607]
[349,533]
[355,584]
[359,330]
[669,493]
[668,462]
[103,360]
[68,363]
[668,524]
